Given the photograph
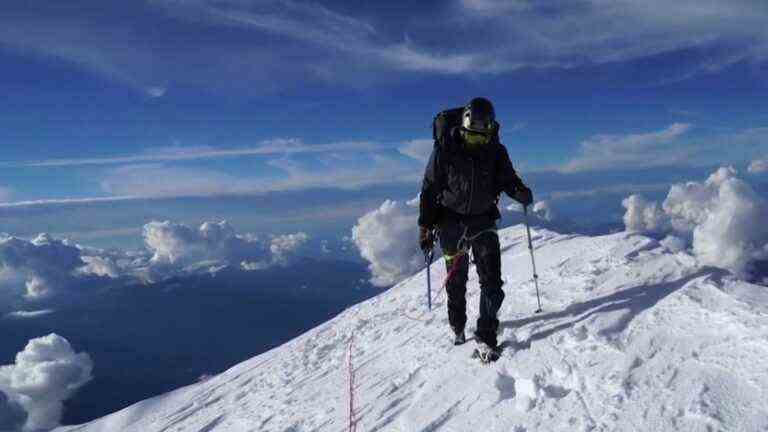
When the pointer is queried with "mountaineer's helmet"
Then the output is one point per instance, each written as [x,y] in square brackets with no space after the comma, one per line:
[479,116]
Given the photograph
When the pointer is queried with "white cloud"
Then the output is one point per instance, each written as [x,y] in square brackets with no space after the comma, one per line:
[527,33]
[284,246]
[690,204]
[46,373]
[338,165]
[543,214]
[566,33]
[141,180]
[611,189]
[644,216]
[43,267]
[285,17]
[541,211]
[419,149]
[179,248]
[173,243]
[544,210]
[316,25]
[138,181]
[69,201]
[45,264]
[388,238]
[28,314]
[631,151]
[323,44]
[253,265]
[156,92]
[496,6]
[275,146]
[100,266]
[339,172]
[723,215]
[674,145]
[758,166]
[72,38]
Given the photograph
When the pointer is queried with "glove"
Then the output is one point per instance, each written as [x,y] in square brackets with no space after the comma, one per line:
[426,239]
[523,195]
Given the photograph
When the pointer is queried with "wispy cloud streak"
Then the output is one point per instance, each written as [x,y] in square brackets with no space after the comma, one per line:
[315,42]
[640,150]
[167,154]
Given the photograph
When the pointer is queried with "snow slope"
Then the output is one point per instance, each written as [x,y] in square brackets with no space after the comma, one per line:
[632,337]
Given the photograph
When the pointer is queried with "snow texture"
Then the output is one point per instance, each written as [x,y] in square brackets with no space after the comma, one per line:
[44,375]
[633,337]
[724,217]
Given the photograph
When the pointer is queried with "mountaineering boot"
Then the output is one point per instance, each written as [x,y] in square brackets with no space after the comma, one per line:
[485,352]
[460,338]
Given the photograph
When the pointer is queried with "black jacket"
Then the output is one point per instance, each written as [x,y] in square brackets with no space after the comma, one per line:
[464,182]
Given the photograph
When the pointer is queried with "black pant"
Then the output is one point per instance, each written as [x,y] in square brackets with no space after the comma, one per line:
[487,257]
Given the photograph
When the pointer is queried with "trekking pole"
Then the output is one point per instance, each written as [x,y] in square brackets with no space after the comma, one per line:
[533,261]
[428,260]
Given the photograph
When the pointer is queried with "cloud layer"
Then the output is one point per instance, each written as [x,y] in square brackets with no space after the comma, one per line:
[286,165]
[177,247]
[723,216]
[174,243]
[40,268]
[46,373]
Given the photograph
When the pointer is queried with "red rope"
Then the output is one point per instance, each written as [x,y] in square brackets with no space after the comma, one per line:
[351,377]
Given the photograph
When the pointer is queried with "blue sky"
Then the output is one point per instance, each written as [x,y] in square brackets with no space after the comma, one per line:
[259,111]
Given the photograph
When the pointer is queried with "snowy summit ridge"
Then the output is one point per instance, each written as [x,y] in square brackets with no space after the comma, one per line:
[634,336]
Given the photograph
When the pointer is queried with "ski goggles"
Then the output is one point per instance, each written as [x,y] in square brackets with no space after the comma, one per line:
[475,138]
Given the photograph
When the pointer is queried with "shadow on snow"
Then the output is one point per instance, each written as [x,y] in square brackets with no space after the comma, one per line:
[634,300]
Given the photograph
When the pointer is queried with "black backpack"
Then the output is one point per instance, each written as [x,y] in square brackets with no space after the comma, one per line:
[446,120]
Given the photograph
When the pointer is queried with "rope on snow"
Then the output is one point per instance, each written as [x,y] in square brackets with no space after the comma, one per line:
[351,390]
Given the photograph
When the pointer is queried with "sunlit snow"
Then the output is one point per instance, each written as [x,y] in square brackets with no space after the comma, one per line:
[634,336]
